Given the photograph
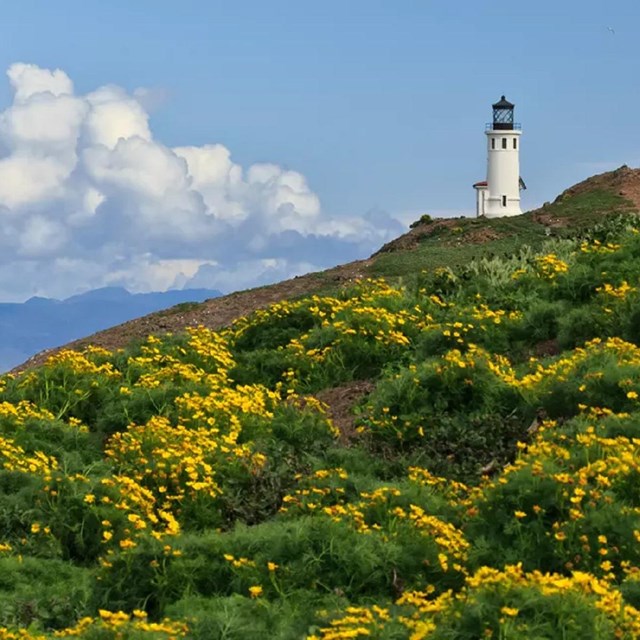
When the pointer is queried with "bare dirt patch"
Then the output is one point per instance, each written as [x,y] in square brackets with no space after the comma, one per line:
[341,402]
[480,235]
[547,348]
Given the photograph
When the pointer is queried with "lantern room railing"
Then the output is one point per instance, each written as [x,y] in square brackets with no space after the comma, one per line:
[503,126]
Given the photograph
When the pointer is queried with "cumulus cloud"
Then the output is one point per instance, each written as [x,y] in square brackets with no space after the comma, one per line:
[88,197]
[28,80]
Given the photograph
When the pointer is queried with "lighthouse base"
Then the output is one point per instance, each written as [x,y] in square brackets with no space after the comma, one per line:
[502,207]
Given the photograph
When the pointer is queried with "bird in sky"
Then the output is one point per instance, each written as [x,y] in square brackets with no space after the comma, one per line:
[611,30]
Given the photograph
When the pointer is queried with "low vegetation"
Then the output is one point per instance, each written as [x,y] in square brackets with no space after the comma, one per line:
[456,242]
[193,486]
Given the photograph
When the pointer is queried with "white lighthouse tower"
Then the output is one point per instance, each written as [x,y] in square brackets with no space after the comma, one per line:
[499,195]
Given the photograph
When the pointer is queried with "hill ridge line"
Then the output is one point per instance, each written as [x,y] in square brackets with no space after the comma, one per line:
[215,313]
[621,184]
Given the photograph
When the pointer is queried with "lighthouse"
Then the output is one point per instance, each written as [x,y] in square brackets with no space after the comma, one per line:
[499,195]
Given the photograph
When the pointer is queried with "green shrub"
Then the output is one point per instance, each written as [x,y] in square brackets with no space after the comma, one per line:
[273,330]
[580,325]
[239,617]
[425,218]
[40,592]
[541,321]
[454,415]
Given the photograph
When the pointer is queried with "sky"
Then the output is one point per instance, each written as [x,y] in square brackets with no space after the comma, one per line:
[156,144]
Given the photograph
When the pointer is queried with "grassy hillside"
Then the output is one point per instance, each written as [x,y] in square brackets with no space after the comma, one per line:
[455,242]
[485,485]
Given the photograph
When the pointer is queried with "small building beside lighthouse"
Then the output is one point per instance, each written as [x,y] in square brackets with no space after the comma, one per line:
[499,195]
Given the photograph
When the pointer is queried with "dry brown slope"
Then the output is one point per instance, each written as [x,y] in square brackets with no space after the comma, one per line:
[214,313]
[623,181]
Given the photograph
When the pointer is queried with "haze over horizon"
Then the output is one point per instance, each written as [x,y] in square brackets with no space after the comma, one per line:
[229,146]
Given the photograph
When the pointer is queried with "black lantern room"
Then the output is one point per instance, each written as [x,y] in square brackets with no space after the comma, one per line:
[503,114]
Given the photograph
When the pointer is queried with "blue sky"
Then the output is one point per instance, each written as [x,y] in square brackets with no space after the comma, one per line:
[380,105]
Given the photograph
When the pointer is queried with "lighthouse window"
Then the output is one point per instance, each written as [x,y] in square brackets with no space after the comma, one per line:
[515,143]
[493,143]
[504,143]
[504,201]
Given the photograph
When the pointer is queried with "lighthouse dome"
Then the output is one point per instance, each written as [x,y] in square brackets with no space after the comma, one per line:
[503,114]
[503,103]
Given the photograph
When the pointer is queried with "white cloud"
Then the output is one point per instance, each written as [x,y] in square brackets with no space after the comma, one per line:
[31,179]
[28,80]
[45,122]
[217,179]
[89,197]
[114,116]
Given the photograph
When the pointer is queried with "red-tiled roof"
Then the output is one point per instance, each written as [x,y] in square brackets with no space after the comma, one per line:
[484,183]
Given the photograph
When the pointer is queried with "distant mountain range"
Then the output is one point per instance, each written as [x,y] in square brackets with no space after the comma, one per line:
[40,323]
